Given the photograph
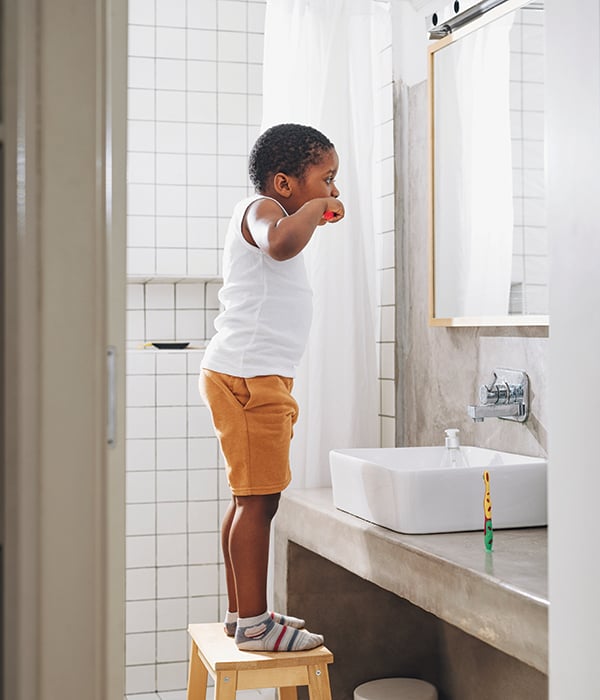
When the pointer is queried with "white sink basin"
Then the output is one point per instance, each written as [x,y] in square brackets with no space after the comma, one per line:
[405,489]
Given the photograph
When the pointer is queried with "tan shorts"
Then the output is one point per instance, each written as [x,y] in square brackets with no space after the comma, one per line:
[253,419]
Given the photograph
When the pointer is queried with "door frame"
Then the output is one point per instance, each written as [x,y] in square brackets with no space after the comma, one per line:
[64,103]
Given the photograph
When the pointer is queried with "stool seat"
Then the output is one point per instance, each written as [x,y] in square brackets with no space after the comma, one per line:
[214,653]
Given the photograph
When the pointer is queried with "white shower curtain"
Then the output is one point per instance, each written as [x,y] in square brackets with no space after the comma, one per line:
[319,70]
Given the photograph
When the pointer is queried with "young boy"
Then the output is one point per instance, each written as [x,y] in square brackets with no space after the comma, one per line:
[249,365]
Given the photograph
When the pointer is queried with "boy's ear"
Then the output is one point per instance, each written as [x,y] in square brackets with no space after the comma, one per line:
[282,184]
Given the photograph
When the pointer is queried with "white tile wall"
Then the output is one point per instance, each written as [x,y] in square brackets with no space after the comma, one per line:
[174,502]
[175,311]
[194,97]
[194,110]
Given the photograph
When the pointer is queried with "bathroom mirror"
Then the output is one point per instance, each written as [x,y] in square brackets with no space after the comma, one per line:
[488,242]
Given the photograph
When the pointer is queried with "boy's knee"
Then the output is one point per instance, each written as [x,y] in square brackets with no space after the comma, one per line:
[272,503]
[261,506]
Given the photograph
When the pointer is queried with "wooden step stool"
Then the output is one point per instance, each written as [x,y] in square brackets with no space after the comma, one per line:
[232,669]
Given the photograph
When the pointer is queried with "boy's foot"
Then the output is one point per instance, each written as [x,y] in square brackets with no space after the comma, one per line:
[262,633]
[232,618]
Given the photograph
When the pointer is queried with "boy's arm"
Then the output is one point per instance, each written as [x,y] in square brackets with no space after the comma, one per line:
[283,237]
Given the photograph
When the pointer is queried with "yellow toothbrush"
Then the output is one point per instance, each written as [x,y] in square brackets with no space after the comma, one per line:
[488,532]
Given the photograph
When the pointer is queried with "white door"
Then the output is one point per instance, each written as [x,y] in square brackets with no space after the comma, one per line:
[63,131]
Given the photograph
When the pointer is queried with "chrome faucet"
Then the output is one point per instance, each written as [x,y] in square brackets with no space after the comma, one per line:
[507,396]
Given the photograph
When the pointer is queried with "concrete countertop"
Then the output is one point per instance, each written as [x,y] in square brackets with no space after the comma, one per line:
[499,597]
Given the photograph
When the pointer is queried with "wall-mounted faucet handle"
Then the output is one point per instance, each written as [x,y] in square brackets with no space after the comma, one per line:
[506,397]
[493,382]
[500,393]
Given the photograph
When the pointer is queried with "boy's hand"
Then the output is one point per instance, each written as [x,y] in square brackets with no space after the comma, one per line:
[334,212]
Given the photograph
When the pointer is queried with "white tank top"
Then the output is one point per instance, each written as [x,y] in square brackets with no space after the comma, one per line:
[267,313]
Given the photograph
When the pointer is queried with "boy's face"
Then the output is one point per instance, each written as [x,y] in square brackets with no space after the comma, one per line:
[318,181]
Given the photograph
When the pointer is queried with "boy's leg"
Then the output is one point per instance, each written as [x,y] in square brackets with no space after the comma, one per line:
[229,576]
[253,418]
[231,617]
[249,550]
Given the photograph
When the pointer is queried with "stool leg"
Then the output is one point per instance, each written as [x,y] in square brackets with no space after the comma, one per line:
[289,692]
[318,682]
[226,685]
[197,676]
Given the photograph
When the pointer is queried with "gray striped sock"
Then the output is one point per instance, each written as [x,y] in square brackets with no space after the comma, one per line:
[232,618]
[262,633]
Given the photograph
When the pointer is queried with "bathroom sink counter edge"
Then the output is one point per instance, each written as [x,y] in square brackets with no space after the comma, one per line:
[499,597]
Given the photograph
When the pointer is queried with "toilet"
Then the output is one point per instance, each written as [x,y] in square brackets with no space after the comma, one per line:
[396,689]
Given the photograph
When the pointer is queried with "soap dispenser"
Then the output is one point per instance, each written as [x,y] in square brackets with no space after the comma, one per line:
[453,454]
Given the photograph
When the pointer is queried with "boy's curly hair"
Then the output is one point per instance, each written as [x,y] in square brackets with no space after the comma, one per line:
[285,148]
